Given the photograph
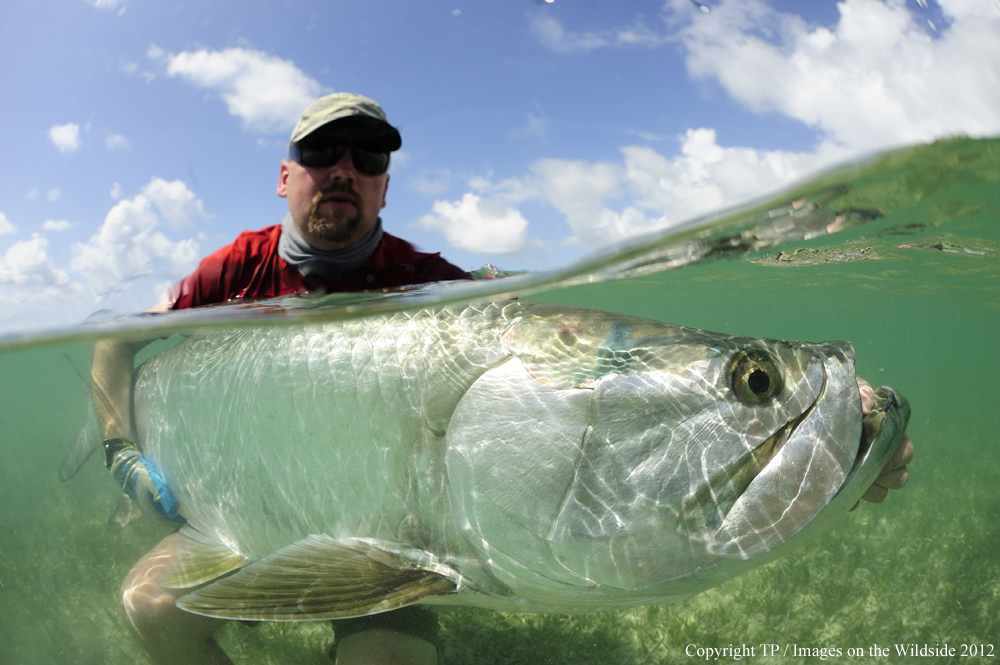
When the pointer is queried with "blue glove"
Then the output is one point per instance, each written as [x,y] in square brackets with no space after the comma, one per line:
[142,482]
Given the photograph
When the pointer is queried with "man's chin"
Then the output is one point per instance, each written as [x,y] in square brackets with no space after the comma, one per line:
[333,229]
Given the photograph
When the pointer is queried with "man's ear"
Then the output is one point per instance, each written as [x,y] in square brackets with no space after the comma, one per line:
[283,180]
[386,190]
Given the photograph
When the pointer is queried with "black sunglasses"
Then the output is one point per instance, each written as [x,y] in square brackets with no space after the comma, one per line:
[323,154]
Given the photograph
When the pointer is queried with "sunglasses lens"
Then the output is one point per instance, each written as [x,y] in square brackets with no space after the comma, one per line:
[318,155]
[374,163]
[323,155]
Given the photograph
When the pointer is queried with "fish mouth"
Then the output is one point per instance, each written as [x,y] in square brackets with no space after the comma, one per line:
[881,431]
[761,456]
[712,504]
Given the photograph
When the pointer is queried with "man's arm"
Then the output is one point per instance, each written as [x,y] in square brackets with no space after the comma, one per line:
[111,382]
[111,373]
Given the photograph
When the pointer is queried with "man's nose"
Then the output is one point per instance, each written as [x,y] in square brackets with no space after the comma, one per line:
[344,169]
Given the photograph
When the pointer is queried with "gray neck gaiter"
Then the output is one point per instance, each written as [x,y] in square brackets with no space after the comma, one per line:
[294,249]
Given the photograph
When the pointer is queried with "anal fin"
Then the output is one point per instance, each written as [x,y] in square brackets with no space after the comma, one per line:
[198,558]
[318,577]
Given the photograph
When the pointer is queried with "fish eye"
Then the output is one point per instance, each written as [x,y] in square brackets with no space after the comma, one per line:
[755,375]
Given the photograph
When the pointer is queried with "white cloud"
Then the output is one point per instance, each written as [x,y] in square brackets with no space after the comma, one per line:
[33,292]
[116,142]
[604,202]
[27,263]
[130,247]
[175,202]
[577,189]
[876,78]
[476,224]
[65,137]
[264,91]
[116,191]
[122,267]
[32,194]
[56,225]
[707,176]
[961,9]
[53,195]
[5,225]
[553,36]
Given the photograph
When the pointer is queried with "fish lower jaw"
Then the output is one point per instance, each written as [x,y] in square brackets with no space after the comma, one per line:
[881,431]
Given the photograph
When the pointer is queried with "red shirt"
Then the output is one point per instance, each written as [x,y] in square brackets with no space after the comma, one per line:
[251,268]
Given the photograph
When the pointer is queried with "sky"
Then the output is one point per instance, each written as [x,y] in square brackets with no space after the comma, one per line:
[140,136]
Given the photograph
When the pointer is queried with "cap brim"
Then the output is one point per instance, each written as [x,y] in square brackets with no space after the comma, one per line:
[372,130]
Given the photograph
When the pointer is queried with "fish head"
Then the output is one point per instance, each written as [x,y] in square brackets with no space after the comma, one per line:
[622,457]
[743,440]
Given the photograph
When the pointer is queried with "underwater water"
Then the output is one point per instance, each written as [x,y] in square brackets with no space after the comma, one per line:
[913,281]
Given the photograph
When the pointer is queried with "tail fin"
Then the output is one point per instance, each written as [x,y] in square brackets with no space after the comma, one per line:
[89,438]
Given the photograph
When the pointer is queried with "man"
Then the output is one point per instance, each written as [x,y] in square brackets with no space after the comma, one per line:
[335,181]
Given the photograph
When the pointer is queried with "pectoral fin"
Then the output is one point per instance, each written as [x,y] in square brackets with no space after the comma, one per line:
[198,558]
[318,577]
[87,441]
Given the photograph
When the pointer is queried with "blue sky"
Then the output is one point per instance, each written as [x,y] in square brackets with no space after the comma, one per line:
[141,136]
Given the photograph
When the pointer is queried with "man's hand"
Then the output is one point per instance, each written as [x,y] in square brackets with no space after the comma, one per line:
[895,474]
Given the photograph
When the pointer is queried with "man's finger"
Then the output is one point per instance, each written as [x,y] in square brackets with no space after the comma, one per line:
[867,394]
[903,455]
[894,479]
[875,494]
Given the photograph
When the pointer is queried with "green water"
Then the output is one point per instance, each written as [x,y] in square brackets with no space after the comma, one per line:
[922,568]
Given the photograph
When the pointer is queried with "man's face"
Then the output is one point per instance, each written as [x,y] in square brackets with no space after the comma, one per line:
[334,206]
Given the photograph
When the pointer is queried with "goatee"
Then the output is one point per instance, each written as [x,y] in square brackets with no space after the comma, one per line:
[339,225]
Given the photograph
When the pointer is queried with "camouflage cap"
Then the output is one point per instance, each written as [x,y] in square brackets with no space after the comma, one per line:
[365,115]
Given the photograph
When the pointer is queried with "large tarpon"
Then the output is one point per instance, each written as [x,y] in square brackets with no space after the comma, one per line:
[515,456]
